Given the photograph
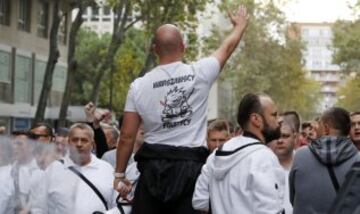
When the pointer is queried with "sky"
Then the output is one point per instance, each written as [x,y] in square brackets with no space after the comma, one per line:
[318,10]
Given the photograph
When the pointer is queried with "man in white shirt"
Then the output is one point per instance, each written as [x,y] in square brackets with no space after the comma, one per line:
[284,149]
[171,101]
[66,192]
[22,178]
[244,176]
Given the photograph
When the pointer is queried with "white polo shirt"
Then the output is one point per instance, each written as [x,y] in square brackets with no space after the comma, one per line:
[172,102]
[67,193]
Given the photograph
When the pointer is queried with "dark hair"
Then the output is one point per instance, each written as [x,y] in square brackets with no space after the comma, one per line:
[339,119]
[293,118]
[354,113]
[249,104]
[305,125]
[49,129]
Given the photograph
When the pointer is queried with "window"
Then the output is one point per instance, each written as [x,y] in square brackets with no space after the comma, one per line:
[57,91]
[305,32]
[22,79]
[5,12]
[43,17]
[62,35]
[106,14]
[40,67]
[106,10]
[24,21]
[95,14]
[5,77]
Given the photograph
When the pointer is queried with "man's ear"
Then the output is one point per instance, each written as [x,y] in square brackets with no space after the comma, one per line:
[153,48]
[256,120]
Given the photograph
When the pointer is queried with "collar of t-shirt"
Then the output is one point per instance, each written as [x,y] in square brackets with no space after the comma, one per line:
[93,163]
[168,65]
[251,135]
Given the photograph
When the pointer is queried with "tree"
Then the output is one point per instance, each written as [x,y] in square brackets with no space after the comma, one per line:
[346,43]
[90,48]
[127,65]
[348,94]
[181,13]
[268,61]
[123,21]
[51,63]
[81,5]
[151,13]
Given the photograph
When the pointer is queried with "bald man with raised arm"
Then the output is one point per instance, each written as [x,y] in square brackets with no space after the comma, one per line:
[171,101]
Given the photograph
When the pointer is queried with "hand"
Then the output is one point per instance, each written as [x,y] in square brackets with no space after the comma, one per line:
[100,115]
[123,186]
[89,112]
[241,17]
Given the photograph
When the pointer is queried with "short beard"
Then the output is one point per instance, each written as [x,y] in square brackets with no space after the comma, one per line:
[270,134]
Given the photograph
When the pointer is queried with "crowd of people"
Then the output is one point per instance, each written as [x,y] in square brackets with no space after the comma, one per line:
[165,157]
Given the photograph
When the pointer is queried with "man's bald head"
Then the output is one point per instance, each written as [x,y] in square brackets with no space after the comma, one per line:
[168,40]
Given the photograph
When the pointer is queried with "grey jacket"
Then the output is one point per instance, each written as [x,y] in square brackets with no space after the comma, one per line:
[311,188]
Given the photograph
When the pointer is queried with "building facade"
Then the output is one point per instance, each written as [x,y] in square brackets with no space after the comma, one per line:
[24,48]
[318,59]
[99,19]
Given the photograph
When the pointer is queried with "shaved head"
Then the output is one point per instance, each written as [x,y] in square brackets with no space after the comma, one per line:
[168,40]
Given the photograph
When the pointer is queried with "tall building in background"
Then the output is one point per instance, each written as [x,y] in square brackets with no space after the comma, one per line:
[99,19]
[24,48]
[318,59]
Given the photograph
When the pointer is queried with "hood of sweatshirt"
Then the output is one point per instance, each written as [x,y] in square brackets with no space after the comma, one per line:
[331,150]
[232,152]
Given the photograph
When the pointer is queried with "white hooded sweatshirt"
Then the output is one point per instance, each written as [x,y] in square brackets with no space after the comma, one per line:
[244,177]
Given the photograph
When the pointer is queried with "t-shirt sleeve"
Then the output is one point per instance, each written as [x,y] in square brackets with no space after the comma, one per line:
[130,100]
[209,69]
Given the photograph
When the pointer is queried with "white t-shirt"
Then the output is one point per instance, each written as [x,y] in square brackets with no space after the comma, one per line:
[66,193]
[287,205]
[172,102]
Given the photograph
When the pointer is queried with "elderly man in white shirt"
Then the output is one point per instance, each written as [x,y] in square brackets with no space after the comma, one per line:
[66,192]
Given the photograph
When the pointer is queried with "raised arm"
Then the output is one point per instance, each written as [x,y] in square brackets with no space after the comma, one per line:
[239,20]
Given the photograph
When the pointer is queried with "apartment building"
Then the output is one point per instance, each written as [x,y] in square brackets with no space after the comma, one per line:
[24,47]
[318,59]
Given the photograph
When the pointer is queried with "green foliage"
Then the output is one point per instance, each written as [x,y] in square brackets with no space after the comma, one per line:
[128,63]
[268,61]
[346,43]
[90,48]
[348,94]
[180,13]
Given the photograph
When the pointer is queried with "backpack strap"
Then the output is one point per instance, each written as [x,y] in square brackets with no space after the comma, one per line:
[331,172]
[91,185]
[334,180]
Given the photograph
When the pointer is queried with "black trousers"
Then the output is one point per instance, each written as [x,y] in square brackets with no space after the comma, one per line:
[167,181]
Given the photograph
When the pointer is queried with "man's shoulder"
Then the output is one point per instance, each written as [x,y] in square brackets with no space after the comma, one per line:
[302,152]
[110,153]
[103,165]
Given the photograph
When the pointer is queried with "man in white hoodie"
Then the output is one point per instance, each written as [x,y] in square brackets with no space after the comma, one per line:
[244,176]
